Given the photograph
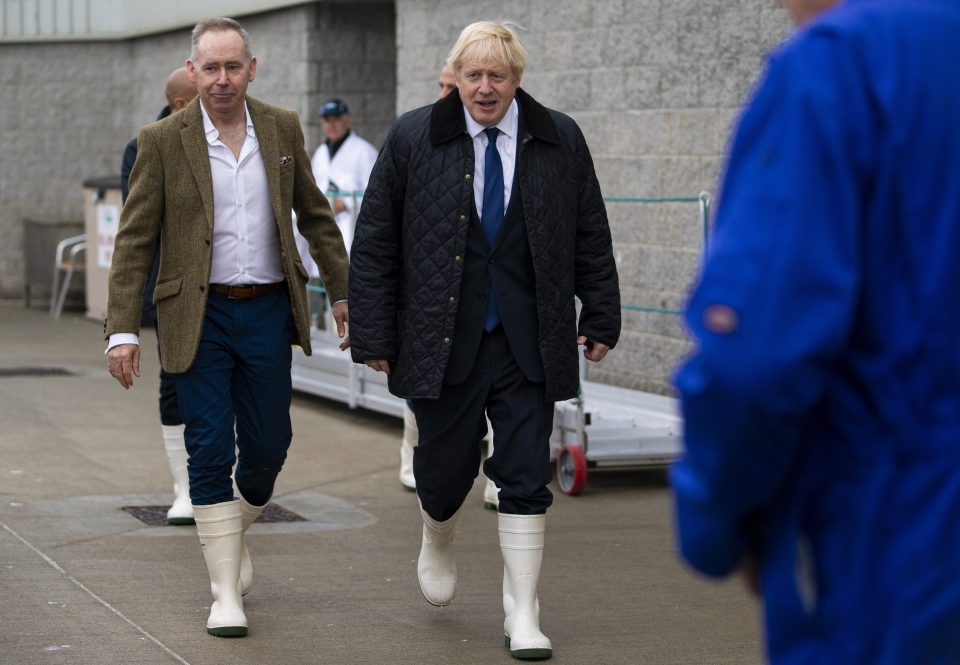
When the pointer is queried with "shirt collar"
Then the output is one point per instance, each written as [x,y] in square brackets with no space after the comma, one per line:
[508,123]
[213,134]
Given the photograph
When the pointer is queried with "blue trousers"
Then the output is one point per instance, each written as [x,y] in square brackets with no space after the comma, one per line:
[447,457]
[169,410]
[236,396]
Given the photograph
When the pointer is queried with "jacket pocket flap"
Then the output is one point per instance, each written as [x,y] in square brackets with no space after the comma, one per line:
[167,288]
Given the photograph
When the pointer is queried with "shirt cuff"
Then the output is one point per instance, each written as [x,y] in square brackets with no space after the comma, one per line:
[116,339]
[337,302]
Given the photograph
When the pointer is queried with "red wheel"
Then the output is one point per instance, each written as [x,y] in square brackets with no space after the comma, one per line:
[572,470]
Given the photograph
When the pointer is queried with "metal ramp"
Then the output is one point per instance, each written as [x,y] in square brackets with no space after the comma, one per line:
[616,427]
[605,426]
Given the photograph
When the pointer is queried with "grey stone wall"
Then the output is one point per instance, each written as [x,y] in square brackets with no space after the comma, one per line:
[68,109]
[62,119]
[655,86]
[353,53]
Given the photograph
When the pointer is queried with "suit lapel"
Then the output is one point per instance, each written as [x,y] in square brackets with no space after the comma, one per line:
[194,143]
[266,128]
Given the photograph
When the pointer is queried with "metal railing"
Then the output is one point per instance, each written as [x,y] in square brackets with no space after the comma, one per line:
[702,200]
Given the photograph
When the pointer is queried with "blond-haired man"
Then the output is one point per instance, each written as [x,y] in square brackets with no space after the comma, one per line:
[483,219]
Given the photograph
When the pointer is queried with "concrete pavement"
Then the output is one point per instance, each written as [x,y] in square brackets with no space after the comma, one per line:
[82,581]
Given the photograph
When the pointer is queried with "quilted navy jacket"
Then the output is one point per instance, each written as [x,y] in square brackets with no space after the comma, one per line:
[407,255]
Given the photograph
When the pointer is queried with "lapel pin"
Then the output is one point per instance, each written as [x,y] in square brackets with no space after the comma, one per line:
[286,159]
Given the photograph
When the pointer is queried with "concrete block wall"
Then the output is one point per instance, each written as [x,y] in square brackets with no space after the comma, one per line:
[655,85]
[352,50]
[62,119]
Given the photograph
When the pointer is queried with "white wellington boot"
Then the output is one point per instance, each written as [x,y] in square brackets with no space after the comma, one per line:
[249,514]
[491,496]
[220,528]
[181,512]
[491,493]
[410,437]
[521,543]
[436,567]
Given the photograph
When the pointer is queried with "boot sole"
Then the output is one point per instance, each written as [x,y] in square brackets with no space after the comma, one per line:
[179,521]
[528,654]
[433,603]
[228,631]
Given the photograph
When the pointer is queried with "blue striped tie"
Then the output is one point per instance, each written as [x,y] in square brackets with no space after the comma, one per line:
[492,213]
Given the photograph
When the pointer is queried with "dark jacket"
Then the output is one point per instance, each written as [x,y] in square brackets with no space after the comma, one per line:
[408,251]
[148,315]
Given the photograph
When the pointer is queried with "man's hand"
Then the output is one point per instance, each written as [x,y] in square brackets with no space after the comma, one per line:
[595,351]
[379,365]
[342,316]
[123,362]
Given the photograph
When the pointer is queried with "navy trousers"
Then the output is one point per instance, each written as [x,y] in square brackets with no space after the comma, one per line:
[446,459]
[236,396]
[169,410]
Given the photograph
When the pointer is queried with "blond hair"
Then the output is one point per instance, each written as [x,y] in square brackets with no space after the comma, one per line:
[489,41]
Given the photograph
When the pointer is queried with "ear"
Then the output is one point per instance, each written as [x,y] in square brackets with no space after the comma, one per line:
[191,73]
[253,69]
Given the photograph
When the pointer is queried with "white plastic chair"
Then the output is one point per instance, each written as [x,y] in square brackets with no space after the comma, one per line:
[70,259]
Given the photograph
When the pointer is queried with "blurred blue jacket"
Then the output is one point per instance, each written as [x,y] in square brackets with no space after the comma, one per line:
[822,401]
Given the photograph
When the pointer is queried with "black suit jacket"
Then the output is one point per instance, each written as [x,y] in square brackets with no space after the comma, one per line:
[506,265]
[148,315]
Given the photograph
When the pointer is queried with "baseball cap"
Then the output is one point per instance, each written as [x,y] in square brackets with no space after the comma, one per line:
[334,107]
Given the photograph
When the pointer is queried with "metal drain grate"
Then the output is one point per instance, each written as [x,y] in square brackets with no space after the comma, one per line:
[157,515]
[12,372]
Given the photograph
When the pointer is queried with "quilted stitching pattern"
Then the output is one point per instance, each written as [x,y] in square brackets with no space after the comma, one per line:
[413,226]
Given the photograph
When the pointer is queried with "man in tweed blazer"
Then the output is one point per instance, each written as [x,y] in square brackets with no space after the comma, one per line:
[219,179]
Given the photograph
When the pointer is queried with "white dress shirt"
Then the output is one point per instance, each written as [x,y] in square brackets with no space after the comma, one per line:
[509,125]
[246,244]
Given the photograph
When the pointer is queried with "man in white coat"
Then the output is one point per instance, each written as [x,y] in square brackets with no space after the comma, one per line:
[342,164]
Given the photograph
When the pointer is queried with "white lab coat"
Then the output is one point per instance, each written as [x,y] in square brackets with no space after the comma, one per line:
[348,171]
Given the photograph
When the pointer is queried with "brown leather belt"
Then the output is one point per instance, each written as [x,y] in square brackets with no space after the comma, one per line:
[245,291]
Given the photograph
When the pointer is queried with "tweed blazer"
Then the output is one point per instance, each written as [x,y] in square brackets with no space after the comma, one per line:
[171,194]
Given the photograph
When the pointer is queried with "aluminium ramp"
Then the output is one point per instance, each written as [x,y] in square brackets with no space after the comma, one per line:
[606,426]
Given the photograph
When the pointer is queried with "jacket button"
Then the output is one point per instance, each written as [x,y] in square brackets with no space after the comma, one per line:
[462,217]
[467,176]
[446,340]
[453,299]
[203,288]
[207,240]
[457,258]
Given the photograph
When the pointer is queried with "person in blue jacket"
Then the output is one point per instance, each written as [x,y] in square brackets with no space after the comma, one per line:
[822,401]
